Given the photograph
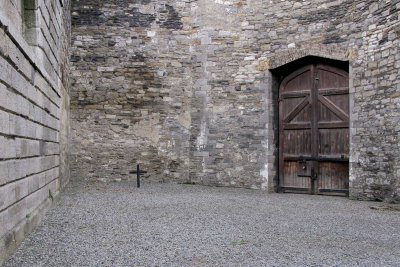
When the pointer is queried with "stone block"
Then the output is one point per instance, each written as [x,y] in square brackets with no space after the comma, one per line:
[9,148]
[6,226]
[5,96]
[4,172]
[17,212]
[4,122]
[12,193]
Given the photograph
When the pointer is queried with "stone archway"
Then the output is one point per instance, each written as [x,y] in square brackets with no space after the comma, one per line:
[283,58]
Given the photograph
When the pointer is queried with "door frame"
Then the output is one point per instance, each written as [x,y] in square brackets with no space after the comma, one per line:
[282,75]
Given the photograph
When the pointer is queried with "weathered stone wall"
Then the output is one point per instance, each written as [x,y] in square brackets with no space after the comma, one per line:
[375,172]
[234,142]
[34,101]
[131,88]
[366,33]
[190,88]
[229,105]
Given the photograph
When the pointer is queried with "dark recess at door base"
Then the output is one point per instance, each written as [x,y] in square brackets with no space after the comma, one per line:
[332,192]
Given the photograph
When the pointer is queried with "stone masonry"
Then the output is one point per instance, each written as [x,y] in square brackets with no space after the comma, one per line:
[131,97]
[189,88]
[34,113]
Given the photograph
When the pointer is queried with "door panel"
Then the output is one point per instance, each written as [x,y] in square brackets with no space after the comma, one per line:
[333,177]
[299,80]
[329,145]
[331,77]
[293,182]
[304,115]
[297,142]
[340,100]
[326,115]
[313,130]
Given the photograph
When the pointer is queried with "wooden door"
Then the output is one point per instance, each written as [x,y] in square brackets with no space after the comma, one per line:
[314,131]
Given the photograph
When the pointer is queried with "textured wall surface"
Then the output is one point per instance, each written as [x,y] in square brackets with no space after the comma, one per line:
[34,103]
[131,89]
[189,88]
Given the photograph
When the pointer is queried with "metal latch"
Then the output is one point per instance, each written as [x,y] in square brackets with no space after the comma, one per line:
[304,168]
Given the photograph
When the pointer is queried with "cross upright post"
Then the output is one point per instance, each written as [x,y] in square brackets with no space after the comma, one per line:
[138,176]
[138,173]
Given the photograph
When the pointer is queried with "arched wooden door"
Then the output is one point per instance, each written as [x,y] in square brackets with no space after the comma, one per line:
[314,131]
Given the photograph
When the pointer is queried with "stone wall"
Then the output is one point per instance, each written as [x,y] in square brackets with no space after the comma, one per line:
[131,89]
[189,88]
[34,103]
[375,168]
[366,34]
[234,139]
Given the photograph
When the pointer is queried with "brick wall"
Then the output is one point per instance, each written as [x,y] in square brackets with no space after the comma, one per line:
[34,103]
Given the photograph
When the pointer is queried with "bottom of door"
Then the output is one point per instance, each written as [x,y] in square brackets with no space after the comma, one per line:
[295,190]
[333,192]
[322,191]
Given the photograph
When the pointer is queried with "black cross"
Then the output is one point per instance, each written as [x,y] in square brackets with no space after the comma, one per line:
[138,173]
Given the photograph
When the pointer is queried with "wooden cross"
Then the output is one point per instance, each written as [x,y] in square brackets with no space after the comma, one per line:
[138,173]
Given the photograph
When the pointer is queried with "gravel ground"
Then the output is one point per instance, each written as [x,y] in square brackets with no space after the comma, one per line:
[185,225]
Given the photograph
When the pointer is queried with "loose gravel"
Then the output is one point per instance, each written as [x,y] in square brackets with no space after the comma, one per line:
[189,225]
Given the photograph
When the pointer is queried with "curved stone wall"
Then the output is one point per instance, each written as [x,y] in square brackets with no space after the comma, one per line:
[189,88]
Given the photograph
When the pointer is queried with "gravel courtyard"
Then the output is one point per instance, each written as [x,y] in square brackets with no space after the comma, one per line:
[189,225]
